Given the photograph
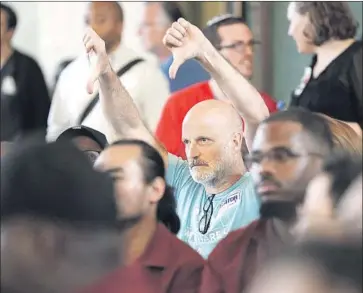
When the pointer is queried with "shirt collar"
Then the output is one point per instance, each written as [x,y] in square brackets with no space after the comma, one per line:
[158,253]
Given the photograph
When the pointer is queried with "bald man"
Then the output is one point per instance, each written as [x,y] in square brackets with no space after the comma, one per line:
[214,193]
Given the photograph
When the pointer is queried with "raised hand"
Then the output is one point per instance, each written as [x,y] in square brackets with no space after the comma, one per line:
[185,41]
[96,50]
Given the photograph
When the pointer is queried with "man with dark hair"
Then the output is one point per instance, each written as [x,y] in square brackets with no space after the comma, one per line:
[72,105]
[147,210]
[24,95]
[90,141]
[234,40]
[157,18]
[287,152]
[59,220]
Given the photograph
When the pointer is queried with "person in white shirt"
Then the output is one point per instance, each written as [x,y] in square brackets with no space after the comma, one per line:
[144,80]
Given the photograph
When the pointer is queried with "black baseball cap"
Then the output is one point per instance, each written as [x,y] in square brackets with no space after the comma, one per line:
[81,130]
[56,182]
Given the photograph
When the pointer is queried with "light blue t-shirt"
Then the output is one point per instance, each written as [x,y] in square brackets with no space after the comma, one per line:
[234,208]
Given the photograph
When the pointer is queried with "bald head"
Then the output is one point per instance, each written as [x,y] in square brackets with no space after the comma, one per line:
[214,114]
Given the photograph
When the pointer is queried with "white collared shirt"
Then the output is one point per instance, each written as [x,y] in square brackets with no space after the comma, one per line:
[145,82]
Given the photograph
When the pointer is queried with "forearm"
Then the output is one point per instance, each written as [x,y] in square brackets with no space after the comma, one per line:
[117,105]
[242,93]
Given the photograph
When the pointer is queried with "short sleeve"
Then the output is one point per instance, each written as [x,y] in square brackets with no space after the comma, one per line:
[177,173]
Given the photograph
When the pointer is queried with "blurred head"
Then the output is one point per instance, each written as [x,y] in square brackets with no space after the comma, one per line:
[139,177]
[106,19]
[90,141]
[287,152]
[212,134]
[344,137]
[8,24]
[40,256]
[312,24]
[231,36]
[157,18]
[319,267]
[318,214]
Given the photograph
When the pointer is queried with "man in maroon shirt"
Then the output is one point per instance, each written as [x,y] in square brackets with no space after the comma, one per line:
[287,152]
[156,261]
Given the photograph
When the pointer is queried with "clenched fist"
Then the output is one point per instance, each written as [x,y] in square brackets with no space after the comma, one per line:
[185,41]
[96,50]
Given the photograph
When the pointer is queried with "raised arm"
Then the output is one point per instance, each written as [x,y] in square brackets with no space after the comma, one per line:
[186,41]
[118,107]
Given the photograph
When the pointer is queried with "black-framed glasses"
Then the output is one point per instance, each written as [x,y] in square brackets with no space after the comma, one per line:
[92,155]
[204,222]
[240,46]
[279,155]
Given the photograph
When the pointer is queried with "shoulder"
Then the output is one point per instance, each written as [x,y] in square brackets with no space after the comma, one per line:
[26,59]
[231,246]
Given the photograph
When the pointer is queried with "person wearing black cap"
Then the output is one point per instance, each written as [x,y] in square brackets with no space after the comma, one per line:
[59,220]
[148,205]
[88,140]
[156,19]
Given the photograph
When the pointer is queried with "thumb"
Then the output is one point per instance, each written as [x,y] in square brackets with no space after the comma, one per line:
[90,82]
[174,67]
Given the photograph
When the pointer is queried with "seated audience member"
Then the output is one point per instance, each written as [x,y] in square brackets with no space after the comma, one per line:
[151,253]
[156,19]
[88,140]
[24,95]
[287,152]
[332,84]
[344,136]
[214,193]
[234,40]
[72,105]
[318,214]
[314,267]
[59,220]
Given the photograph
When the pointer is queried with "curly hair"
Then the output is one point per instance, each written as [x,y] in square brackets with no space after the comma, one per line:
[328,21]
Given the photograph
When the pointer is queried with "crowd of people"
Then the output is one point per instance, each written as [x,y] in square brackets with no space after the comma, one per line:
[125,187]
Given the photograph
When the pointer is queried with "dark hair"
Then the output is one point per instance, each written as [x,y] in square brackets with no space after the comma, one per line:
[211,30]
[153,166]
[313,124]
[343,169]
[11,17]
[329,20]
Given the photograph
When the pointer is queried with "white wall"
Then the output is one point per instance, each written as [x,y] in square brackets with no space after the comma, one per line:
[52,31]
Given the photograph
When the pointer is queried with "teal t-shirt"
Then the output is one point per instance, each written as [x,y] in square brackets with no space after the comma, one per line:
[234,208]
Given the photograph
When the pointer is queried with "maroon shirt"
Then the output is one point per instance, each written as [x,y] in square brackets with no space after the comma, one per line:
[232,264]
[168,265]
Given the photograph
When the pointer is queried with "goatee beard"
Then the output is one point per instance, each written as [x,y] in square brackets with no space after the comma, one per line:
[283,210]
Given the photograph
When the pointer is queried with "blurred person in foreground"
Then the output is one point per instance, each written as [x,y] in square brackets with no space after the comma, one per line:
[332,84]
[90,141]
[288,151]
[59,220]
[25,99]
[318,215]
[319,266]
[213,190]
[152,254]
[234,40]
[72,105]
[156,19]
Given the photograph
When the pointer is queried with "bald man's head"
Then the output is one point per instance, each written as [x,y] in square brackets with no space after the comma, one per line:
[212,134]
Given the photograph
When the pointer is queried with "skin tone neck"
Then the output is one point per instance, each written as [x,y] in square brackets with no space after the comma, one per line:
[136,239]
[6,51]
[283,229]
[224,184]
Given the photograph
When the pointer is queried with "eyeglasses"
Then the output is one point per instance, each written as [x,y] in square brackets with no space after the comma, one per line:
[279,155]
[204,222]
[92,155]
[240,46]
